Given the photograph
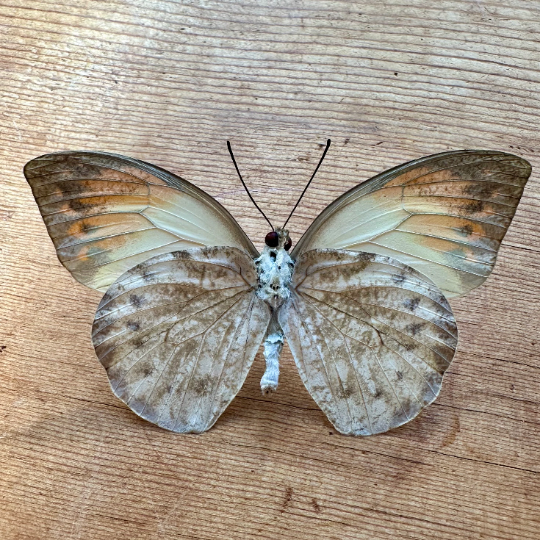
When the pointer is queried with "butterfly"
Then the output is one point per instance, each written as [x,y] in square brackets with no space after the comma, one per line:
[361,299]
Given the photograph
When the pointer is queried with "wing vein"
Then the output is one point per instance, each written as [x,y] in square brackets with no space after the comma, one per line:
[218,383]
[369,346]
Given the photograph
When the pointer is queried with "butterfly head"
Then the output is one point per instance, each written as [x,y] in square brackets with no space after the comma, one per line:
[278,239]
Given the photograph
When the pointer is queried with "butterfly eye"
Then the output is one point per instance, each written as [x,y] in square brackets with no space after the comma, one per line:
[272,239]
[288,244]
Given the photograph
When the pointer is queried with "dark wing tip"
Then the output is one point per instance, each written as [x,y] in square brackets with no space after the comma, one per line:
[37,163]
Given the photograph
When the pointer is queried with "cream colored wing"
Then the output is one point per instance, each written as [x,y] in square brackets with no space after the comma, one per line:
[178,333]
[444,215]
[370,336]
[106,213]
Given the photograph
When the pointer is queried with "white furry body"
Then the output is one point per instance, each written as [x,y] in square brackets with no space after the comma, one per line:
[274,269]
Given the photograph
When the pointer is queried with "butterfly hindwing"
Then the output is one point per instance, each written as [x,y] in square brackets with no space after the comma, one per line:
[106,213]
[178,333]
[444,215]
[370,336]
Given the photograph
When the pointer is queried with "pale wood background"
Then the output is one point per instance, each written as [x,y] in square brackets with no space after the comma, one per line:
[168,82]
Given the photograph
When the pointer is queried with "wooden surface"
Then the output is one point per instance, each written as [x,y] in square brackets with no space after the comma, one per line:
[169,82]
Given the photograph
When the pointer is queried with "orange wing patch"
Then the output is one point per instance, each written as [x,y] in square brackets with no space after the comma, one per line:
[107,213]
[444,215]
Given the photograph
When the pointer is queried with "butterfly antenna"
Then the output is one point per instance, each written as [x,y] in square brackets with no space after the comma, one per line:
[245,187]
[310,180]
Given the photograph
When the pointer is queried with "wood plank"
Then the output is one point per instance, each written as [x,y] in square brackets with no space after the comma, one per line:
[169,82]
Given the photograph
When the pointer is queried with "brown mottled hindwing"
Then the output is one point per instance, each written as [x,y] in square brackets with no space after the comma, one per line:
[370,336]
[178,333]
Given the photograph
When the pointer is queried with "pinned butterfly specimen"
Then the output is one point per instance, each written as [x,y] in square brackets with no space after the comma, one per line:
[361,299]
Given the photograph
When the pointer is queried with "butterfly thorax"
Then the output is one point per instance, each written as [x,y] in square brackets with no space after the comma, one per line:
[274,270]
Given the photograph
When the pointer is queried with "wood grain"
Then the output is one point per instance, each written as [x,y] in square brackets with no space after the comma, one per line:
[169,82]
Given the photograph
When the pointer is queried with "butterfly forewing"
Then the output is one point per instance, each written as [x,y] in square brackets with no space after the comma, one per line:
[371,338]
[444,215]
[106,213]
[178,333]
